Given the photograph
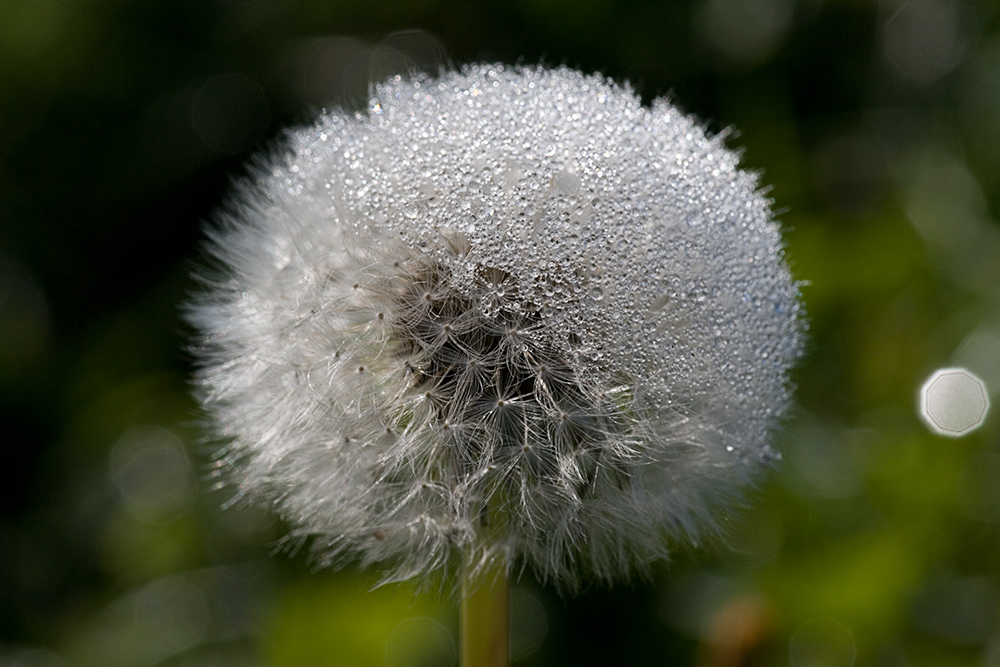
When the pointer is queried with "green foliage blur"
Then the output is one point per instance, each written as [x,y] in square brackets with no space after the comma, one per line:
[122,124]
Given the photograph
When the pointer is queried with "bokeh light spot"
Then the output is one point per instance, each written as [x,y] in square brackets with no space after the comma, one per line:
[953,402]
[925,39]
[25,321]
[822,642]
[153,473]
[229,112]
[170,615]
[745,32]
[420,641]
[528,623]
[980,488]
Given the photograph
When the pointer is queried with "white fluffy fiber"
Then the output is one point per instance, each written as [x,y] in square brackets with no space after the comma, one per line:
[508,313]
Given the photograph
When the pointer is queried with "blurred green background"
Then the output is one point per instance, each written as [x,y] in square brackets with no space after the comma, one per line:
[122,125]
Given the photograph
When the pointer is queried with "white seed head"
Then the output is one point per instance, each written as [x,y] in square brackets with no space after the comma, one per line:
[508,312]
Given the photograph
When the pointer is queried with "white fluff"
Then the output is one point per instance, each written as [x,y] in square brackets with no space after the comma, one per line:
[507,312]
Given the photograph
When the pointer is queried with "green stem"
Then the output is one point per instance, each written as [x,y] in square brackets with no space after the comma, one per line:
[484,623]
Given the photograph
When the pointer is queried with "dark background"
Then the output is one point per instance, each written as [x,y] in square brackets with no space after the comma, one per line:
[123,124]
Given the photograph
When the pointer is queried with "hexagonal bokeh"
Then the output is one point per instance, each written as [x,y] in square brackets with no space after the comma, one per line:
[953,402]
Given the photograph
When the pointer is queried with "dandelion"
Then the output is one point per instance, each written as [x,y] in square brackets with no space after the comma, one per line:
[507,317]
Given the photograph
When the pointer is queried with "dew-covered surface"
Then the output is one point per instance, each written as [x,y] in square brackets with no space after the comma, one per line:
[508,311]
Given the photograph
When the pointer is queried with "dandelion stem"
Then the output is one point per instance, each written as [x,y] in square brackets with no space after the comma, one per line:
[484,622]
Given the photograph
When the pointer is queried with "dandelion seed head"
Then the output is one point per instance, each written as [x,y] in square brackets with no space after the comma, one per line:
[506,311]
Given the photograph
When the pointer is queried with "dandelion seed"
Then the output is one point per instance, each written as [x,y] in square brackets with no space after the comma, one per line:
[525,354]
